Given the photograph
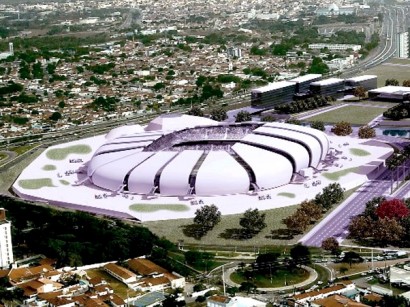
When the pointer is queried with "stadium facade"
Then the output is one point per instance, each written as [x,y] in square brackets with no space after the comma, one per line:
[204,158]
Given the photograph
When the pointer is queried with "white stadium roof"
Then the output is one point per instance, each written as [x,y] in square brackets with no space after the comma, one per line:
[206,160]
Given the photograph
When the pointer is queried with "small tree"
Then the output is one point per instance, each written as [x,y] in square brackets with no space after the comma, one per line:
[253,221]
[195,111]
[330,195]
[393,82]
[342,128]
[330,244]
[55,116]
[406,83]
[361,227]
[318,125]
[297,222]
[366,132]
[343,270]
[207,217]
[311,209]
[243,116]
[218,114]
[300,254]
[359,92]
[352,257]
[268,118]
[392,209]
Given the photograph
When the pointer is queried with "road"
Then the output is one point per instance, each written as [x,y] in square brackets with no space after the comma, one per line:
[394,21]
[336,223]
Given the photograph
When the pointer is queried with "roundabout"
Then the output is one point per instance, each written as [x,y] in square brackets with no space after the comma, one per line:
[284,280]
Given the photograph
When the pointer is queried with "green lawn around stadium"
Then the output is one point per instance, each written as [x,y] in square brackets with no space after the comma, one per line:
[62,153]
[355,115]
[155,207]
[35,184]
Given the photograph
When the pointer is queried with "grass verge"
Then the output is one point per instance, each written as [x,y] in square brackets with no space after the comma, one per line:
[156,207]
[335,176]
[356,115]
[49,167]
[286,194]
[359,152]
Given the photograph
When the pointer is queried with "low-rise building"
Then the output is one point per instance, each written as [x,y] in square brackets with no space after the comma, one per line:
[120,273]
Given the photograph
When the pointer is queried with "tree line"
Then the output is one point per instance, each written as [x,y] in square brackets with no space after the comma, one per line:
[304,105]
[384,222]
[75,238]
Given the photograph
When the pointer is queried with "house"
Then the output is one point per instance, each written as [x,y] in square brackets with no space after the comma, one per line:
[155,277]
[41,285]
[237,301]
[21,275]
[60,302]
[336,301]
[122,274]
[304,299]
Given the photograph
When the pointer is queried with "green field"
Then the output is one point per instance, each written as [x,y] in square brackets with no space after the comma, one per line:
[356,115]
[174,229]
[279,279]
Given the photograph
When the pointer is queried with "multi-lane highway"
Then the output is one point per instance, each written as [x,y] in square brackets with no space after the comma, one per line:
[395,20]
[336,224]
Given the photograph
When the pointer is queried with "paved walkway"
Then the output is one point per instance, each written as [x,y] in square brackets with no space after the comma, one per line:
[312,277]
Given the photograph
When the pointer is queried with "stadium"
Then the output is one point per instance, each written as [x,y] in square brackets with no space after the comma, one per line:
[204,160]
[165,169]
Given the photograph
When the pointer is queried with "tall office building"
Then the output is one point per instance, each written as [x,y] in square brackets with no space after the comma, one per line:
[402,45]
[6,248]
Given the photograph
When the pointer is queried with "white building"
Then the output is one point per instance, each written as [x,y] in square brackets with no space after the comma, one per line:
[335,47]
[403,45]
[6,248]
